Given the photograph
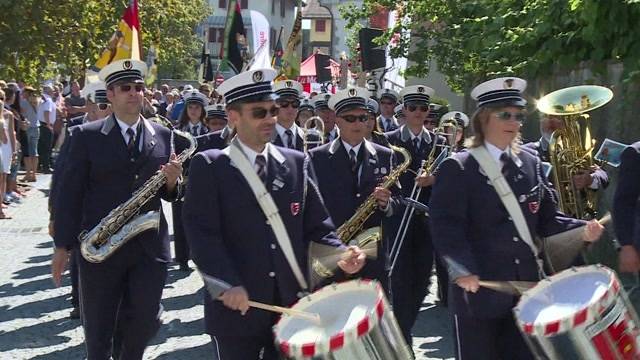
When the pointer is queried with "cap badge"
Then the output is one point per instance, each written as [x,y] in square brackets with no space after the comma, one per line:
[257,76]
[352,92]
[326,97]
[127,65]
[508,84]
[457,116]
[288,84]
[420,89]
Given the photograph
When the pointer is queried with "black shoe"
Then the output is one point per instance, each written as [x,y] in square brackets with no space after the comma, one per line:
[75,313]
[185,267]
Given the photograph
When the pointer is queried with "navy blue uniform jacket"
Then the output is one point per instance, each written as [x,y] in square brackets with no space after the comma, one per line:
[231,240]
[99,175]
[473,232]
[626,201]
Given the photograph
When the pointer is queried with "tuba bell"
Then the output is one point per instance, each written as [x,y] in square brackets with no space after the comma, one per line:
[570,148]
[312,126]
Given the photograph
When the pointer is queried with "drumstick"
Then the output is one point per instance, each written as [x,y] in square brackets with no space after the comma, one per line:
[508,287]
[313,317]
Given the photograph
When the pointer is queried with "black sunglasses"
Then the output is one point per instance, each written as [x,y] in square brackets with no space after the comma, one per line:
[354,118]
[261,113]
[127,87]
[102,106]
[505,116]
[285,104]
[422,108]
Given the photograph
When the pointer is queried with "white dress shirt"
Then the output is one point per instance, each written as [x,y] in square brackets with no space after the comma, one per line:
[252,154]
[123,130]
[285,140]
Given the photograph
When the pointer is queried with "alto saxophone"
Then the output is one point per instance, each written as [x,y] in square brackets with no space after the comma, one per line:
[350,232]
[124,222]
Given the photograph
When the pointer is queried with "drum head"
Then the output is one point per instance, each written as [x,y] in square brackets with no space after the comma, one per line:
[563,295]
[342,307]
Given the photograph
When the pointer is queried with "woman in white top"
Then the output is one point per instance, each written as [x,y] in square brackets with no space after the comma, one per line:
[6,152]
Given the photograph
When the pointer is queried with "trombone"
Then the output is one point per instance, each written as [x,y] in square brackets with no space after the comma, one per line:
[312,127]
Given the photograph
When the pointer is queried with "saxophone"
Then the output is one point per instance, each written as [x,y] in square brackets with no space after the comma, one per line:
[350,231]
[124,222]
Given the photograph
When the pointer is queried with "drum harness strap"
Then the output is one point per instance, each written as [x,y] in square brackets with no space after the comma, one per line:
[507,197]
[269,209]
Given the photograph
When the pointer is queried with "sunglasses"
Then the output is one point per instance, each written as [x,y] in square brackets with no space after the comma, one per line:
[505,116]
[102,106]
[127,88]
[354,118]
[261,113]
[387,103]
[422,108]
[285,104]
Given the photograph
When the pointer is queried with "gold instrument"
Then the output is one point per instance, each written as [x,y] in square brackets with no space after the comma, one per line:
[312,126]
[350,232]
[570,148]
[124,222]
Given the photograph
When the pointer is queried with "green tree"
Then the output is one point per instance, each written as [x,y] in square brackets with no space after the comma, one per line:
[476,39]
[44,38]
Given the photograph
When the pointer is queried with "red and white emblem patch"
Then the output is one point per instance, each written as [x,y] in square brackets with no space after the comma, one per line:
[534,206]
[295,208]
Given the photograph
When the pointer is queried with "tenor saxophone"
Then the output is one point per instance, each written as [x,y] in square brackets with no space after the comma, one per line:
[125,221]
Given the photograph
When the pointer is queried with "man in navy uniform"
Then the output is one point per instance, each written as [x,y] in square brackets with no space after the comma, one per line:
[592,179]
[233,242]
[626,209]
[106,162]
[412,269]
[216,117]
[288,134]
[328,116]
[388,101]
[479,238]
[350,168]
[217,139]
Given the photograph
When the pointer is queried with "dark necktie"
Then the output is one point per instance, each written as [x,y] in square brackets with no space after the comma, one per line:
[507,166]
[289,138]
[416,143]
[354,160]
[194,130]
[131,143]
[387,127]
[261,167]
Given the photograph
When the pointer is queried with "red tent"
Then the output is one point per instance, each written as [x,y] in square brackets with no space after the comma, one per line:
[308,73]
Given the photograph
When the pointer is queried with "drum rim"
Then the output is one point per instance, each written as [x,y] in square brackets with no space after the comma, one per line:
[584,315]
[342,338]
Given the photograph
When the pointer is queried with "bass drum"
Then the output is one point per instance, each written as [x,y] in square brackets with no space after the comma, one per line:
[356,323]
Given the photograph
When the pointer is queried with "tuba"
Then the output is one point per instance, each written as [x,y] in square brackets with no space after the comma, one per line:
[570,148]
[312,126]
[124,222]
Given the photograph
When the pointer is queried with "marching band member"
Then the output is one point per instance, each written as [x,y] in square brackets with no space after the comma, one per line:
[461,121]
[216,118]
[410,278]
[350,168]
[626,210]
[328,116]
[373,133]
[482,236]
[388,101]
[592,179]
[287,133]
[248,255]
[217,139]
[431,123]
[191,118]
[305,111]
[399,116]
[106,161]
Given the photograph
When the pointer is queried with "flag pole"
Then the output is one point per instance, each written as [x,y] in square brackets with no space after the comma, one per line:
[273,58]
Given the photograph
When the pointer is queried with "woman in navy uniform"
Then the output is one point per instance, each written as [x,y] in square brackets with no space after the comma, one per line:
[350,168]
[477,237]
[217,139]
[191,120]
[410,276]
[626,209]
[232,240]
[107,160]
[373,133]
[388,101]
[216,118]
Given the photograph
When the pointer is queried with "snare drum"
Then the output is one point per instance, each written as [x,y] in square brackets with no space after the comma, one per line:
[579,313]
[356,323]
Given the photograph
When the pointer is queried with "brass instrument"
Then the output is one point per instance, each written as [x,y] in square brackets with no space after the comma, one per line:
[570,148]
[124,222]
[312,126]
[350,232]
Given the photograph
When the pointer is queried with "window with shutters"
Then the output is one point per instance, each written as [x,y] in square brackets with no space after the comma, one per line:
[320,25]
[212,35]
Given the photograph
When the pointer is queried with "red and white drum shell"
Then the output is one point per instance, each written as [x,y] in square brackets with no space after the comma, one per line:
[580,313]
[356,323]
